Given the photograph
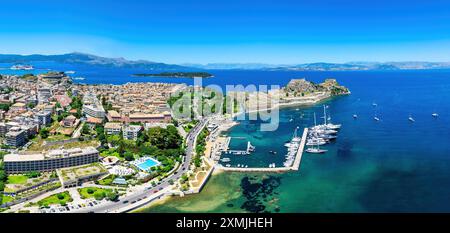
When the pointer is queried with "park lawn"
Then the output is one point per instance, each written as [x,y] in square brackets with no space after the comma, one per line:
[17,179]
[107,180]
[85,194]
[53,199]
[6,199]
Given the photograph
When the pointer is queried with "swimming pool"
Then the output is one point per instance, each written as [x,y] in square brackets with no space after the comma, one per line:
[147,164]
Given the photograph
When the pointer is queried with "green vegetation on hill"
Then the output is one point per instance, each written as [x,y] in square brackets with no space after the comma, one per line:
[200,146]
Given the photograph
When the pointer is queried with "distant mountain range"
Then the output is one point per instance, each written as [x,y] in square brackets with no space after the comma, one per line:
[88,59]
[412,65]
[321,66]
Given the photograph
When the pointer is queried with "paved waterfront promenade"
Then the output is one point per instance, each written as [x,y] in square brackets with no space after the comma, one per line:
[295,166]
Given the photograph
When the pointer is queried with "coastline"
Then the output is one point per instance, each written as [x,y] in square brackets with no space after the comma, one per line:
[279,105]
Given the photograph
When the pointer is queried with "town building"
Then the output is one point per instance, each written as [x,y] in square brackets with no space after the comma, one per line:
[113,128]
[131,132]
[49,161]
[16,137]
[44,118]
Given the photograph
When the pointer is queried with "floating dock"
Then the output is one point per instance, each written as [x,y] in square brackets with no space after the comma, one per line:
[249,150]
[294,167]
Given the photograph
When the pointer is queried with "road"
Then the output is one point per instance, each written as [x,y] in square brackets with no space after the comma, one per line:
[144,194]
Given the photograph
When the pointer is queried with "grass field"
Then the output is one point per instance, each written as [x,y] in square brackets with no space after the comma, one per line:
[59,198]
[17,179]
[93,192]
[6,199]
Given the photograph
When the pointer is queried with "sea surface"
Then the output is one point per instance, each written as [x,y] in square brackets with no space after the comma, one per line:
[392,165]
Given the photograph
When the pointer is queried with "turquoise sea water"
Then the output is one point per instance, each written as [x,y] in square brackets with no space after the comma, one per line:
[392,165]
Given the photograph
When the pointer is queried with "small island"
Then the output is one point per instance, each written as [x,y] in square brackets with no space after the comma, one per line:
[178,75]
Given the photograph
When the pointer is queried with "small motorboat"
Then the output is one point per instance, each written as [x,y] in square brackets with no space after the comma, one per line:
[355,116]
[435,115]
[411,119]
[376,118]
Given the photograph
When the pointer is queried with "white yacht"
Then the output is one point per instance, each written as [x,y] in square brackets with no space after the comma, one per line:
[315,150]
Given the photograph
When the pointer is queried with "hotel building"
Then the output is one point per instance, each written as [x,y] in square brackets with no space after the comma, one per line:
[52,160]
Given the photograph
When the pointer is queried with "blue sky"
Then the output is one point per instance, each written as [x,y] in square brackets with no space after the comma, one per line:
[188,31]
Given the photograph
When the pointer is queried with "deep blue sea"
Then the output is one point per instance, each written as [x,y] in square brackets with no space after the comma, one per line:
[392,165]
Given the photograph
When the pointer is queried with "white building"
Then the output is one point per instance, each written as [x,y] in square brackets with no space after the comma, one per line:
[131,132]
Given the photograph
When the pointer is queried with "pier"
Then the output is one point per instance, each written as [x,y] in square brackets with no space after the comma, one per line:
[294,167]
[248,151]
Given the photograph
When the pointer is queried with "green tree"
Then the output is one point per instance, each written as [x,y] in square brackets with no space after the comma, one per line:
[44,133]
[85,130]
[99,195]
[60,196]
[128,156]
[112,196]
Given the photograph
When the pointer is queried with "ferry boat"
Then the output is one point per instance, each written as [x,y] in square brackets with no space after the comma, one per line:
[78,78]
[70,72]
[22,67]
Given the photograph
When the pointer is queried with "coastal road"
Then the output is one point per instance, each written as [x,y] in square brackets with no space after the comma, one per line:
[139,196]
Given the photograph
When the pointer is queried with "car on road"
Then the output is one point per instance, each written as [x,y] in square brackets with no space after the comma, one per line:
[125,202]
